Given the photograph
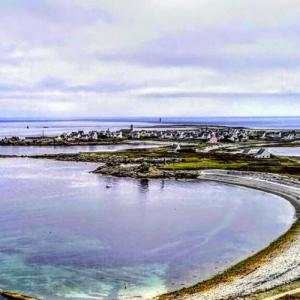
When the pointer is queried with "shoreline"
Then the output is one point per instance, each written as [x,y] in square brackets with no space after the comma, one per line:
[267,269]
[228,283]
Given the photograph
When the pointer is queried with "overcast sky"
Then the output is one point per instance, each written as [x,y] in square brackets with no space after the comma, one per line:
[95,58]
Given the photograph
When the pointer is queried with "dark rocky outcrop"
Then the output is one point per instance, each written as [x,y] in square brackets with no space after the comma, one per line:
[144,171]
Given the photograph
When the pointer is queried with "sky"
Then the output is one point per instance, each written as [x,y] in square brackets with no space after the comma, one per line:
[109,58]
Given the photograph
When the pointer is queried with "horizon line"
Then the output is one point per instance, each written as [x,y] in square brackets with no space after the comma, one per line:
[132,118]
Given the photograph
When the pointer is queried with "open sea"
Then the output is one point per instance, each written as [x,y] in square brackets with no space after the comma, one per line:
[24,128]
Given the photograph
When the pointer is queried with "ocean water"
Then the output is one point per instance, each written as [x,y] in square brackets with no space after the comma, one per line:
[54,128]
[285,151]
[51,128]
[65,236]
[40,150]
[251,122]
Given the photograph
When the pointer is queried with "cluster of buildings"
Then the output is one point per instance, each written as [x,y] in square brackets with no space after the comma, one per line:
[215,135]
[89,136]
[212,135]
[202,134]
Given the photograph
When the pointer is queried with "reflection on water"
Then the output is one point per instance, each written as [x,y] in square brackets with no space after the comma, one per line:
[64,235]
[285,151]
[144,185]
[41,150]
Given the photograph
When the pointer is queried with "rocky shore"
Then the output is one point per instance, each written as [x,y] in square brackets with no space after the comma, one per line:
[143,170]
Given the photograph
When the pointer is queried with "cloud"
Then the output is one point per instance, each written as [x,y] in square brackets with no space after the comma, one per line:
[138,57]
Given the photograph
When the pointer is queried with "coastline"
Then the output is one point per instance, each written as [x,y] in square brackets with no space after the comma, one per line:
[274,266]
[228,284]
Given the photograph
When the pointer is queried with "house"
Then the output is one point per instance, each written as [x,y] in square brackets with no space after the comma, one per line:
[176,147]
[119,135]
[231,138]
[93,135]
[126,132]
[135,135]
[289,137]
[85,137]
[213,139]
[59,139]
[263,153]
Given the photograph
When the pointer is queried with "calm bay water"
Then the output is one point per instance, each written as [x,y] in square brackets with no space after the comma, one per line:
[286,151]
[64,235]
[40,150]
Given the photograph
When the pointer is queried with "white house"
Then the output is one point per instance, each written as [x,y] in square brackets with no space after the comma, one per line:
[263,153]
[176,147]
[94,135]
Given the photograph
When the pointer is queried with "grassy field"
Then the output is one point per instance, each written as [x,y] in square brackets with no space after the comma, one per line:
[132,153]
[280,165]
[191,160]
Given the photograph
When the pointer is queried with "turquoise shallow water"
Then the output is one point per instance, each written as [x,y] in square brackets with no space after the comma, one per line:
[64,235]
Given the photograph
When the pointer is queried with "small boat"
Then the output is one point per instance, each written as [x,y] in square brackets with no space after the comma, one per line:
[108,186]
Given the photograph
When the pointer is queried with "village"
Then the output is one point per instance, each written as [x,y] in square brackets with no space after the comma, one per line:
[200,134]
[244,141]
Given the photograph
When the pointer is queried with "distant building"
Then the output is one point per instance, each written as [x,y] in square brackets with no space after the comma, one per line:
[120,135]
[213,139]
[93,135]
[263,153]
[127,132]
[176,147]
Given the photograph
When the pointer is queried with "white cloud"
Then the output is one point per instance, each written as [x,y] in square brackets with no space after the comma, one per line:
[107,57]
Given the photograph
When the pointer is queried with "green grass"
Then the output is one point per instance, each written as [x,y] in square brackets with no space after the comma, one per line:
[190,160]
[133,153]
[281,165]
[205,164]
